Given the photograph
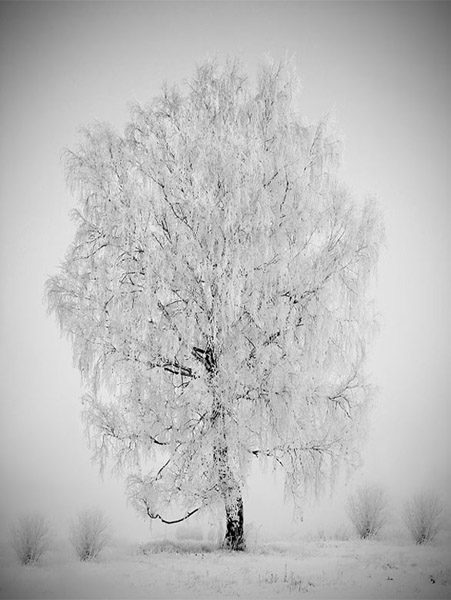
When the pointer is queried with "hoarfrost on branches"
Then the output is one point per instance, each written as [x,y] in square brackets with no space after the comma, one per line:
[31,538]
[215,291]
[90,533]
[423,517]
[367,510]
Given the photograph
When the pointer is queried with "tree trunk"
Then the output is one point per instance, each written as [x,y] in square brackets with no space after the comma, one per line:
[234,537]
[228,486]
[233,500]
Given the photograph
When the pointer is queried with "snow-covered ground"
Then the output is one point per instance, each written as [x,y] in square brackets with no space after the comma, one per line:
[317,568]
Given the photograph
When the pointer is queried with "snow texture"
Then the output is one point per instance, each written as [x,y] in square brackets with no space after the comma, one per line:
[314,569]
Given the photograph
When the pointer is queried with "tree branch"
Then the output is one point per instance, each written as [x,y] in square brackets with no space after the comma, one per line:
[177,369]
[170,366]
[152,515]
[266,453]
[206,357]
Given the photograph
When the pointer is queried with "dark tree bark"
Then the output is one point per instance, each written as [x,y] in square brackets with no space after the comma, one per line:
[230,489]
[234,537]
[233,502]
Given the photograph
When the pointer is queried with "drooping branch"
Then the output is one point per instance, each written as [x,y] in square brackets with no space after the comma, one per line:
[152,515]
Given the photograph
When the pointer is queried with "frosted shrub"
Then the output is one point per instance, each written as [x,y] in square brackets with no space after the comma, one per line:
[30,538]
[367,510]
[90,533]
[422,517]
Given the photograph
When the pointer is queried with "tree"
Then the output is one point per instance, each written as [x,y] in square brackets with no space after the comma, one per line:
[422,516]
[30,538]
[215,293]
[367,510]
[89,534]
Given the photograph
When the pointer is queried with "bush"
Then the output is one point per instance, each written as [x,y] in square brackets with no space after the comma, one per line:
[90,533]
[30,538]
[422,517]
[367,510]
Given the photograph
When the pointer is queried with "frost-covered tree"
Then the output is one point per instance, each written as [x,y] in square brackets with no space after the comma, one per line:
[90,533]
[422,516]
[31,538]
[367,510]
[215,293]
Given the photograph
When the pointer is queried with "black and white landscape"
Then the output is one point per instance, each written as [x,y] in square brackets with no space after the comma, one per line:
[225,268]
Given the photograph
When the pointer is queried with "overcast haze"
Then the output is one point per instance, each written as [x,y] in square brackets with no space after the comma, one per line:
[382,67]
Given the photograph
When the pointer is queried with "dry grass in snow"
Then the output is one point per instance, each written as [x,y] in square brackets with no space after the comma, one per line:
[311,569]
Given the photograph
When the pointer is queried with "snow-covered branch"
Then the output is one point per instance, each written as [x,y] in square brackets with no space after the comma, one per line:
[215,291]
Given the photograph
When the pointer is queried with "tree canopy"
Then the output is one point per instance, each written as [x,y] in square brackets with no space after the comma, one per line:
[215,292]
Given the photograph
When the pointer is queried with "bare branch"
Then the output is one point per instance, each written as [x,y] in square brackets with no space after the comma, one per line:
[152,515]
[257,453]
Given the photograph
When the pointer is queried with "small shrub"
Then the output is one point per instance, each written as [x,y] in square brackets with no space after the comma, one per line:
[30,538]
[90,533]
[367,510]
[422,517]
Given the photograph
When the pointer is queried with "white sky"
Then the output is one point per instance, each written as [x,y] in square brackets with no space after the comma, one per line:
[385,69]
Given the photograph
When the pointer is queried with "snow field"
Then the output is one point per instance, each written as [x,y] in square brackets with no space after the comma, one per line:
[312,569]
